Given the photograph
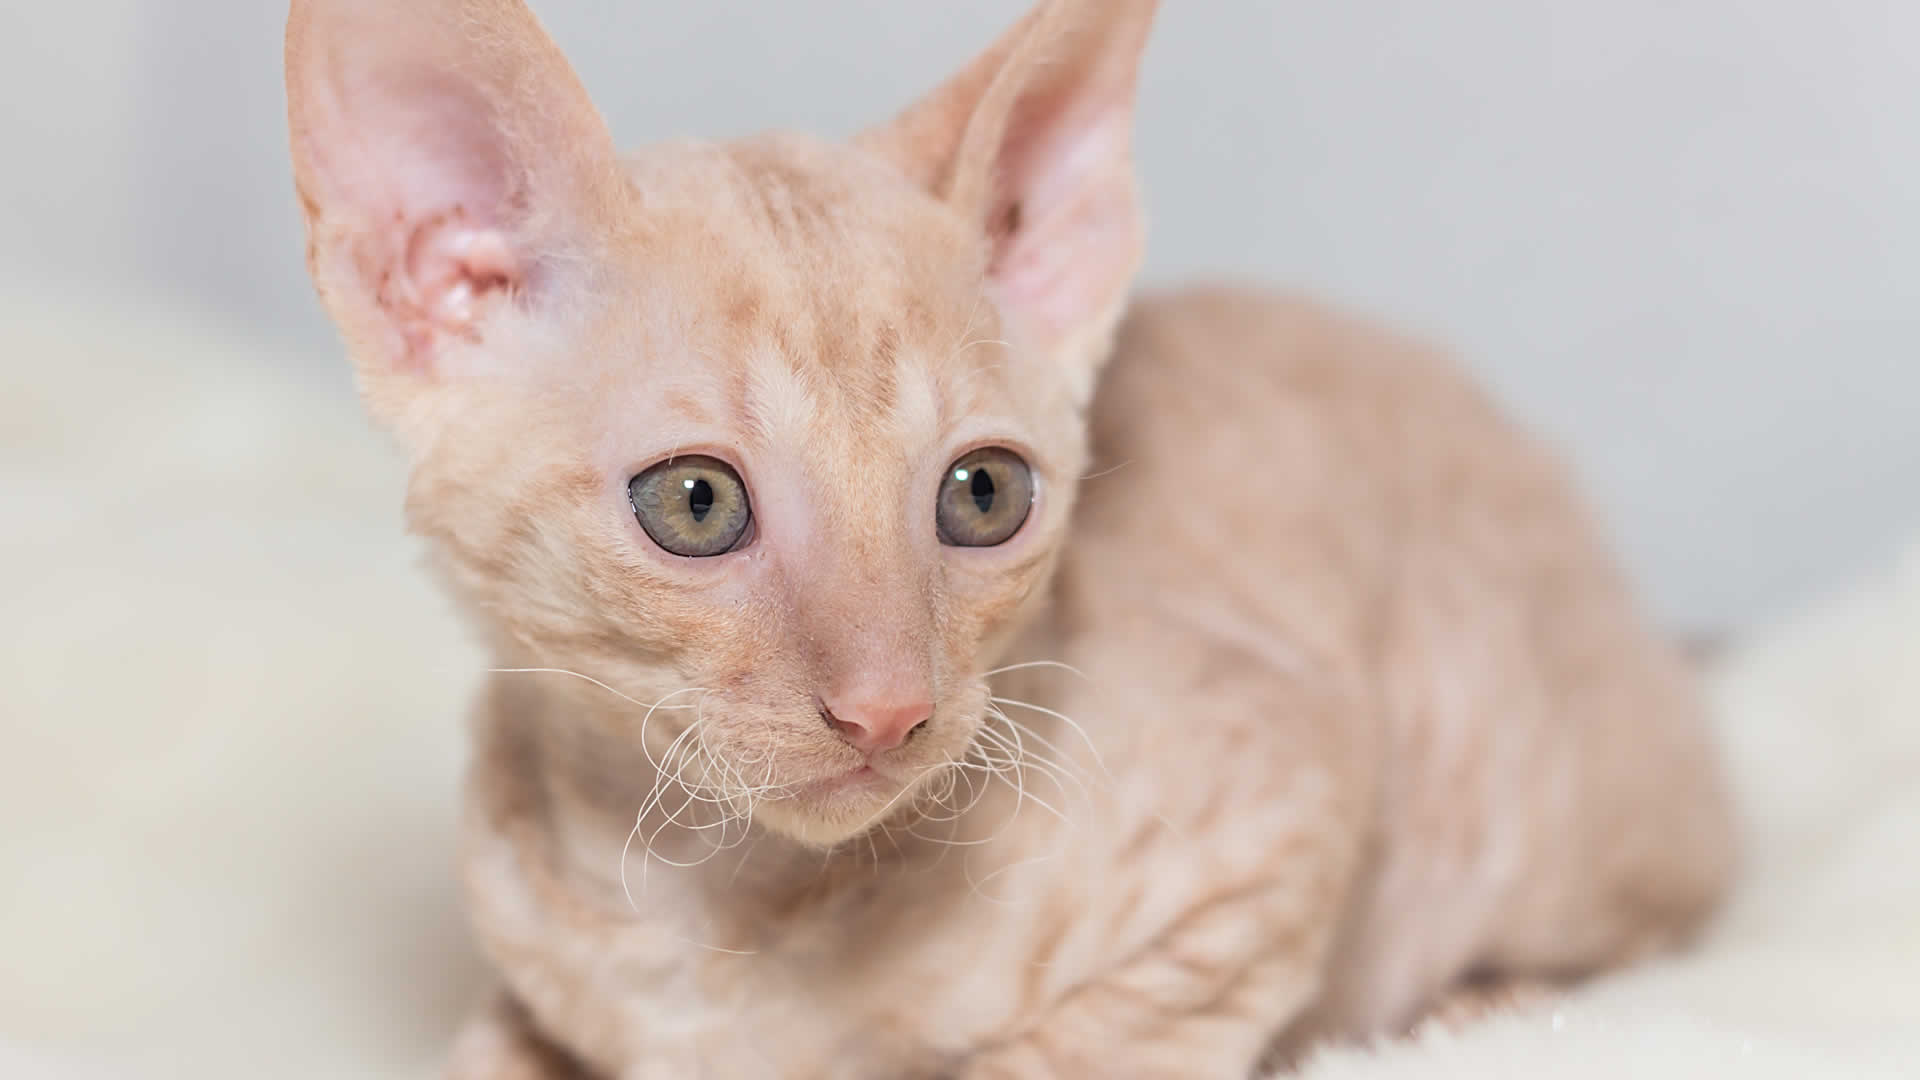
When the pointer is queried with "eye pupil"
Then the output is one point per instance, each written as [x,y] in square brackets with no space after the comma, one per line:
[984,498]
[700,499]
[981,488]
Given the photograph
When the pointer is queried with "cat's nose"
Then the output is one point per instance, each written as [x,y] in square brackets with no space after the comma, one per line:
[873,726]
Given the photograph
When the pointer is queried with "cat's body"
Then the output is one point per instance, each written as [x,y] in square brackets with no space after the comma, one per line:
[1358,709]
[1321,798]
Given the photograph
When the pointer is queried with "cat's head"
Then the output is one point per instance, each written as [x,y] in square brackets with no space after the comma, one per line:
[782,429]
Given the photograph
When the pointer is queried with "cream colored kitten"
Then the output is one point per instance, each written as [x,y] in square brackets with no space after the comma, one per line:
[804,491]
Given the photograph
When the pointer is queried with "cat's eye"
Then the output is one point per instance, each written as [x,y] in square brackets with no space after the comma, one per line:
[984,498]
[692,506]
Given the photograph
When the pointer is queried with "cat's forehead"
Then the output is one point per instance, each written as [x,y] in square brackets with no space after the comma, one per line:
[790,229]
[789,273]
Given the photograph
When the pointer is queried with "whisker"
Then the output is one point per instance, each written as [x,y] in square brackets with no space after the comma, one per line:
[639,819]
[1014,865]
[1060,759]
[658,704]
[979,341]
[1035,664]
[1018,778]
[1065,719]
[1106,472]
[714,948]
[581,677]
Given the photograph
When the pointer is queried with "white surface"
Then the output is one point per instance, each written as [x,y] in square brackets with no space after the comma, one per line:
[229,706]
[230,710]
[1682,238]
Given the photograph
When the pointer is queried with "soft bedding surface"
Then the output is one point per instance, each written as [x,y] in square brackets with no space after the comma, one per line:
[231,715]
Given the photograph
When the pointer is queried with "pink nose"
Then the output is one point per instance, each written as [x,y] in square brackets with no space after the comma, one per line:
[873,726]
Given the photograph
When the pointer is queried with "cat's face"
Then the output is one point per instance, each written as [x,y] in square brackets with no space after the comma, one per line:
[745,491]
[780,434]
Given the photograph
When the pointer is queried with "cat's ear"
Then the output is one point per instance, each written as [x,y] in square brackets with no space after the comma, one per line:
[451,168]
[1032,141]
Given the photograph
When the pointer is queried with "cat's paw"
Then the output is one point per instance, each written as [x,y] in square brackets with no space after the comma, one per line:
[1471,1003]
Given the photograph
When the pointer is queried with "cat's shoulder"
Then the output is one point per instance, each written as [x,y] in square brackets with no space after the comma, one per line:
[1250,333]
[1245,348]
[1227,302]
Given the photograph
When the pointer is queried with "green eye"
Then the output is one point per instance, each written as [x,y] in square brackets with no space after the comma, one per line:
[984,498]
[692,506]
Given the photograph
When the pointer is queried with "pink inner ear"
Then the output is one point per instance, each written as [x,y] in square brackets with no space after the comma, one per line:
[422,165]
[392,141]
[1066,227]
[442,148]
[446,155]
[452,267]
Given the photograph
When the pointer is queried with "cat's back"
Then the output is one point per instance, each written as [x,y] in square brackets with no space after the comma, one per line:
[1237,368]
[1311,466]
[1268,430]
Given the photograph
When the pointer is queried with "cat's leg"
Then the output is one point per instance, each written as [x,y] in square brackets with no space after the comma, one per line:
[1633,842]
[500,1043]
[1175,1013]
[1214,914]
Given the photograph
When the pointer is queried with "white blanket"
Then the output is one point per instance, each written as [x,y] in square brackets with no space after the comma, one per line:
[230,712]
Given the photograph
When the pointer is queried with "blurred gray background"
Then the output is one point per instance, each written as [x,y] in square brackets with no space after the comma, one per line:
[1683,239]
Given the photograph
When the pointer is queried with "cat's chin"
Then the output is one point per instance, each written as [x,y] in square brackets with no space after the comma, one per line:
[830,812]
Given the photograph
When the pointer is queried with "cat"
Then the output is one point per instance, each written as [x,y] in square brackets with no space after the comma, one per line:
[916,657]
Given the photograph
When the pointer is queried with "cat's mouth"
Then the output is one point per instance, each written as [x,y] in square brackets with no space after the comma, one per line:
[861,778]
[826,811]
[842,791]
